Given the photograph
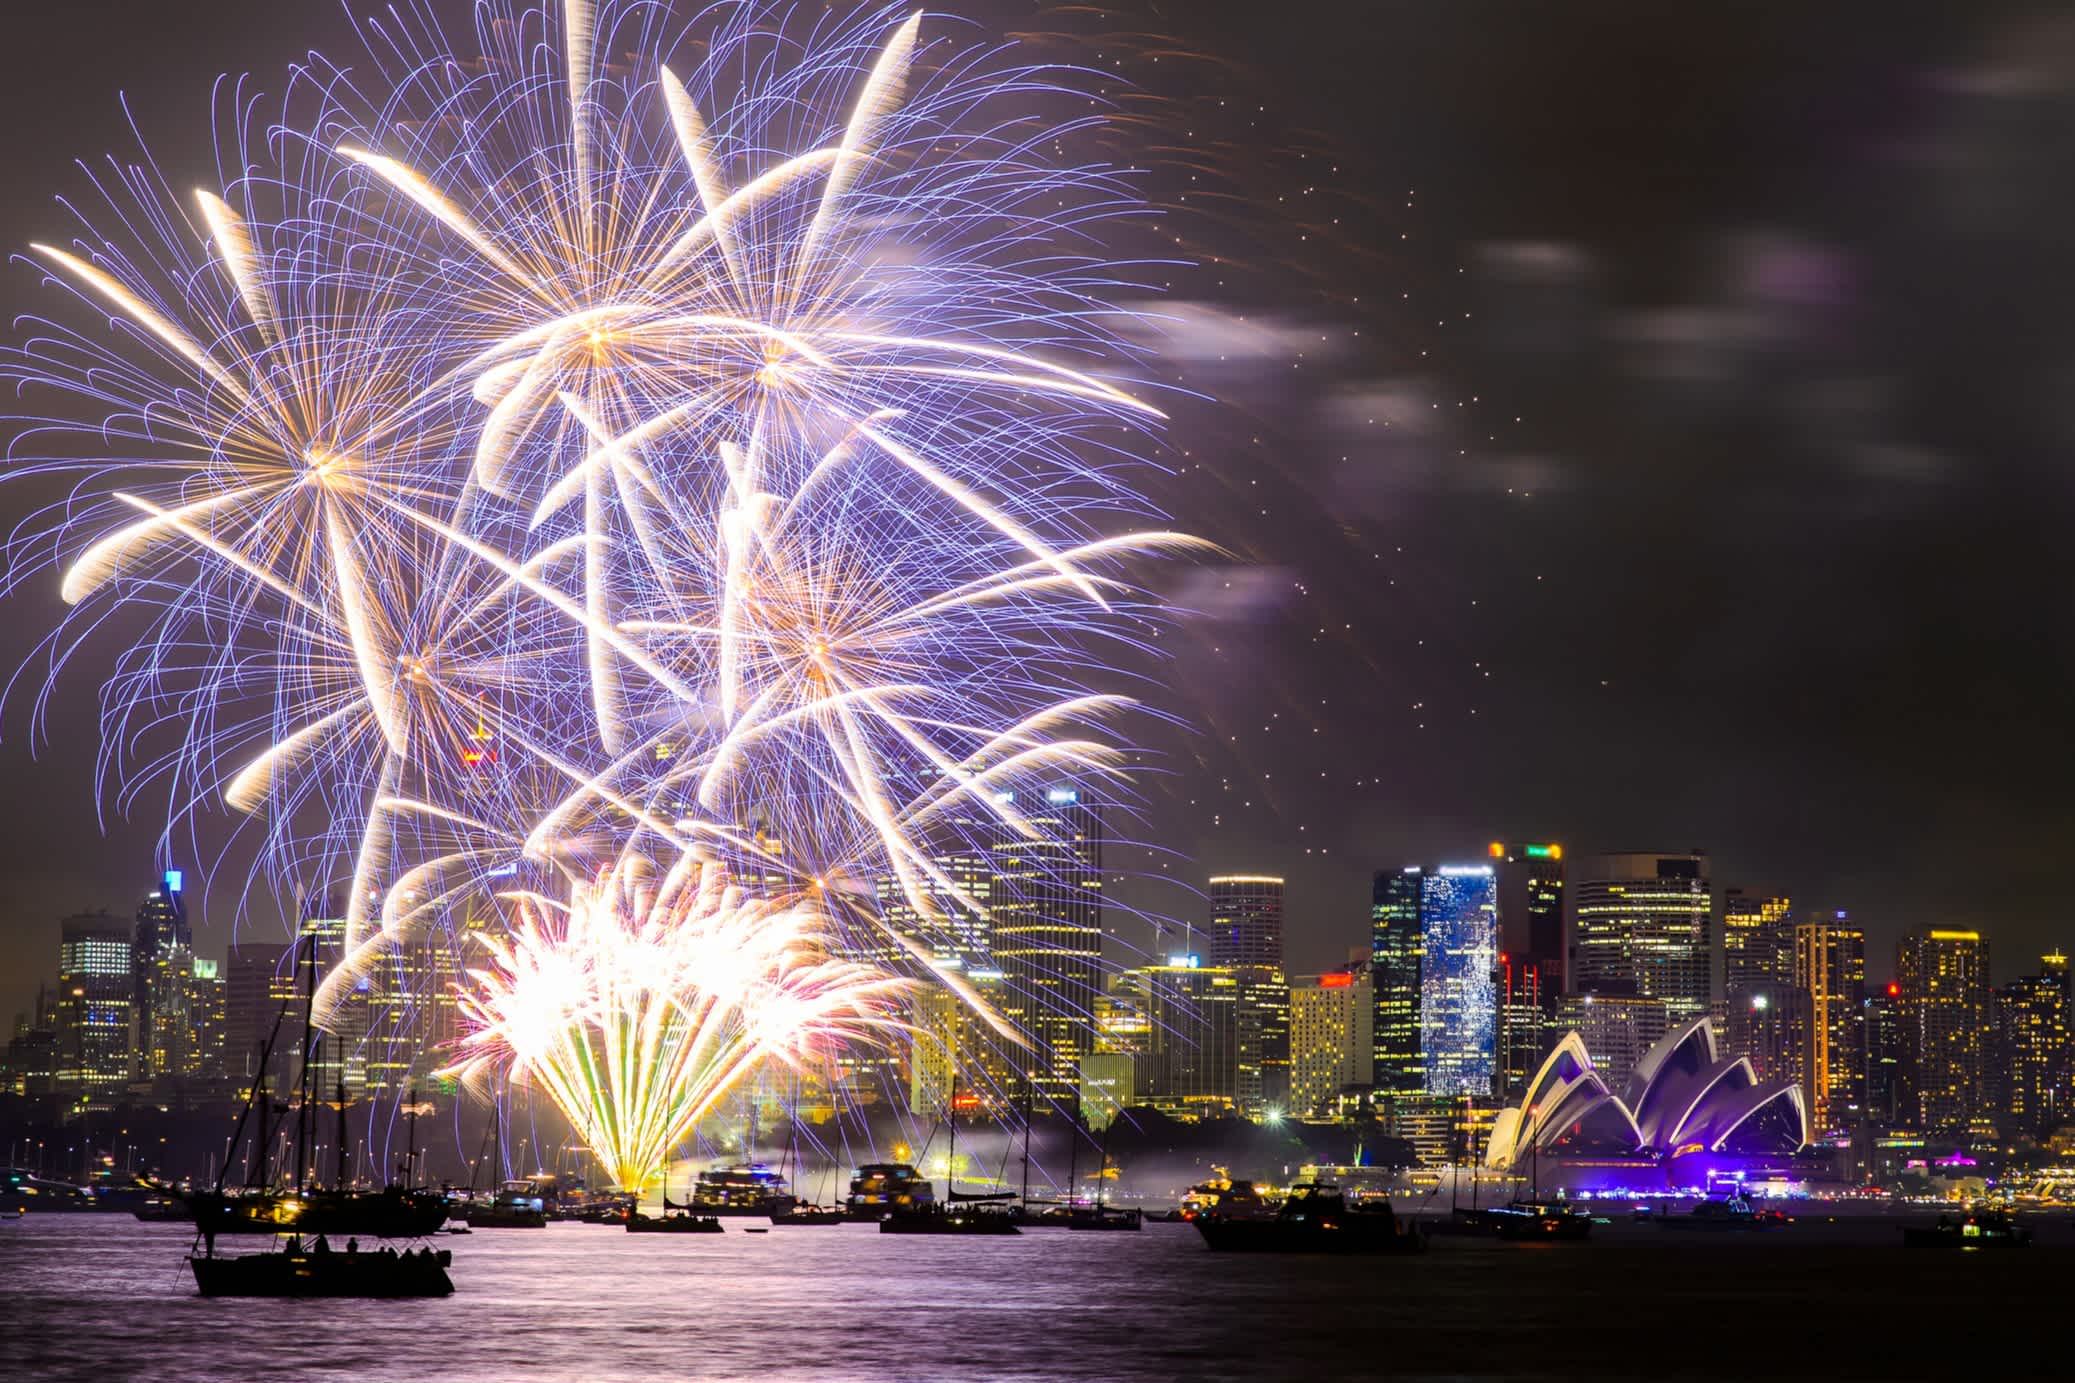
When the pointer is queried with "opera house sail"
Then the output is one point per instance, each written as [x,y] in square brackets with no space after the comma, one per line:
[1686,1117]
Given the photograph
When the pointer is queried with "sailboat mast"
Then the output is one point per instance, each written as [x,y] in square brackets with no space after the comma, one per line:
[410,1162]
[339,1176]
[1026,1141]
[302,1108]
[1073,1157]
[951,1154]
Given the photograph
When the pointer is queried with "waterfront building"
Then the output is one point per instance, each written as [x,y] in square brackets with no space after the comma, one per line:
[32,1049]
[1332,1044]
[1885,1052]
[96,1050]
[1617,1029]
[1769,1027]
[1531,906]
[1830,968]
[1108,1087]
[1643,926]
[1046,933]
[1246,921]
[1757,941]
[1190,1069]
[1395,953]
[2032,1022]
[161,955]
[1524,1005]
[1458,1004]
[1442,1130]
[1947,1015]
[1686,1116]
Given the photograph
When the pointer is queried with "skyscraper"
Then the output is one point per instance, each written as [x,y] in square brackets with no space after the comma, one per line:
[2032,1021]
[260,991]
[161,961]
[1245,936]
[1395,952]
[1458,1002]
[1047,934]
[1531,899]
[1830,968]
[1191,1066]
[1332,1040]
[1946,1019]
[1885,1082]
[1757,941]
[1524,1017]
[1644,927]
[96,996]
[1617,1029]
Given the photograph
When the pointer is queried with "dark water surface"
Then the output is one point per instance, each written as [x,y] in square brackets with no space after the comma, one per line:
[105,1298]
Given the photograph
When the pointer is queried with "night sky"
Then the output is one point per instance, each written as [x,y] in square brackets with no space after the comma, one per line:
[1645,427]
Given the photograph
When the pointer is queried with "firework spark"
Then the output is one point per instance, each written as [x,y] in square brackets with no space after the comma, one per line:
[642,999]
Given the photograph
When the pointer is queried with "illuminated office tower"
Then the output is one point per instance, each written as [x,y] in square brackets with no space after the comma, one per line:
[948,1038]
[96,992]
[161,954]
[1644,927]
[2032,1023]
[338,1052]
[1396,948]
[1885,1081]
[1245,935]
[1458,1000]
[409,1013]
[1757,941]
[1047,933]
[1617,1029]
[32,1052]
[1531,899]
[1946,1017]
[1191,1066]
[1770,1028]
[1245,921]
[1830,968]
[1332,1042]
[259,990]
[1524,1008]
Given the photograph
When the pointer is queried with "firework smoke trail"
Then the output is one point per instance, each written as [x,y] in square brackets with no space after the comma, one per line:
[545,448]
[642,999]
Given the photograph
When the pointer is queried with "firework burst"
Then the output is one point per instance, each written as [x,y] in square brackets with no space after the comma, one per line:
[611,439]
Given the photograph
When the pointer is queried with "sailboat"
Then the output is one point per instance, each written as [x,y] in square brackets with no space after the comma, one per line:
[801,1213]
[962,1213]
[515,1204]
[297,1269]
[1101,1216]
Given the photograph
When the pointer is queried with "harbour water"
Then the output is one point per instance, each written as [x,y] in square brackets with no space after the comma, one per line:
[106,1298]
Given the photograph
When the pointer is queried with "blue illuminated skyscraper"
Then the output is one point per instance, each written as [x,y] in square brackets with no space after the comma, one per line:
[1459,1001]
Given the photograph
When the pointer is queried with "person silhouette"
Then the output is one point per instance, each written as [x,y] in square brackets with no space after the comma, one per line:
[353,1246]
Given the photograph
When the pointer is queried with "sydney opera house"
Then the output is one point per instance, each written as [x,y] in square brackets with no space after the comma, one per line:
[1685,1117]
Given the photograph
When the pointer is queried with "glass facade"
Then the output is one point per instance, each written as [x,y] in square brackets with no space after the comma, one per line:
[1946,1017]
[1459,1002]
[1395,953]
[1645,928]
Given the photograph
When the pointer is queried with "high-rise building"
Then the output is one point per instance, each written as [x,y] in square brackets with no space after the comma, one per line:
[32,1050]
[950,1038]
[1245,921]
[96,1052]
[1458,1002]
[2032,1016]
[1332,1042]
[1531,900]
[1245,935]
[262,1003]
[1643,926]
[1947,1019]
[1757,941]
[1191,1065]
[1524,1008]
[1617,1029]
[1046,921]
[1885,1054]
[1830,968]
[338,1045]
[1395,953]
[1769,1027]
[161,960]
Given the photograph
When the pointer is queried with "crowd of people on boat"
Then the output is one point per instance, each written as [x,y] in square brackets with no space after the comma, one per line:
[322,1248]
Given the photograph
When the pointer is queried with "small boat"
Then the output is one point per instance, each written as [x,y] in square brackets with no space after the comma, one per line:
[804,1215]
[880,1189]
[513,1207]
[1106,1218]
[1716,1216]
[672,1222]
[961,1219]
[1539,1221]
[162,1209]
[759,1229]
[1225,1199]
[744,1189]
[1315,1219]
[297,1271]
[1982,1228]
